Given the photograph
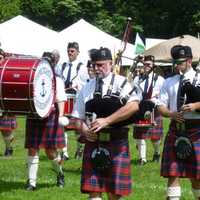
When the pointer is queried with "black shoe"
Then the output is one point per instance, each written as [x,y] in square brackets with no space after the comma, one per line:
[64,157]
[8,152]
[156,157]
[60,180]
[30,187]
[141,162]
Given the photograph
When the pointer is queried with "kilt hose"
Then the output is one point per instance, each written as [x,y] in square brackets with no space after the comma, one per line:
[44,133]
[170,165]
[118,180]
[153,133]
[8,123]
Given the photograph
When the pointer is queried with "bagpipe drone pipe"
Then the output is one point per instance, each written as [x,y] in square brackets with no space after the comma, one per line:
[191,91]
[111,102]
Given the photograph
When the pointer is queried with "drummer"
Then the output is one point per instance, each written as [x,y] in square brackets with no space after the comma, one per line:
[8,123]
[150,83]
[46,133]
[74,73]
[91,70]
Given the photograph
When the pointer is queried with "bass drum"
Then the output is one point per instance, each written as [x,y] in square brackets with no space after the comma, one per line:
[27,86]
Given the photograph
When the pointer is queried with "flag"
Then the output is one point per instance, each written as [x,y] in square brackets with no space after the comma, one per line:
[139,44]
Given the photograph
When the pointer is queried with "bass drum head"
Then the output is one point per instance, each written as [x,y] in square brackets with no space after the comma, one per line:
[43,89]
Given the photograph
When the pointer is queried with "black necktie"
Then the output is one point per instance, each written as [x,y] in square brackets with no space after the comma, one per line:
[67,82]
[180,94]
[146,85]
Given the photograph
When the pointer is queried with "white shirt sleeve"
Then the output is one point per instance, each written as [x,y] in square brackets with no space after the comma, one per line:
[79,106]
[163,98]
[60,90]
[157,88]
[81,78]
[134,96]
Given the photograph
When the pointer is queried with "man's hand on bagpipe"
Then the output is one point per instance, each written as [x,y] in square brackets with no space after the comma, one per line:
[99,124]
[189,107]
[177,116]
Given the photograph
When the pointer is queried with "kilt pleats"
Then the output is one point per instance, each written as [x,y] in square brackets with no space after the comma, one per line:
[118,180]
[171,166]
[153,133]
[44,133]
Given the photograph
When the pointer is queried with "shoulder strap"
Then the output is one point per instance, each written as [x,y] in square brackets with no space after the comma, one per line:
[63,66]
[78,67]
[121,87]
[195,77]
[109,91]
[77,70]
[155,78]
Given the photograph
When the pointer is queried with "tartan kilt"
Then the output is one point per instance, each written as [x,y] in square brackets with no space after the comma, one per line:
[44,133]
[8,123]
[153,133]
[118,181]
[171,166]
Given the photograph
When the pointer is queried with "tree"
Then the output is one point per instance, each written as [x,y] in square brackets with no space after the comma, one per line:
[9,9]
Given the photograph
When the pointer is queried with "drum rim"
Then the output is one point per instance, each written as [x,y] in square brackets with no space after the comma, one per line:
[46,114]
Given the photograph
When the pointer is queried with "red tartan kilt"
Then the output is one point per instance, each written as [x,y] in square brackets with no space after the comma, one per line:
[44,133]
[8,123]
[121,184]
[153,133]
[171,166]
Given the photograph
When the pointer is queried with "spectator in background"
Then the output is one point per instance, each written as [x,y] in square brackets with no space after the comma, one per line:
[74,73]
[8,122]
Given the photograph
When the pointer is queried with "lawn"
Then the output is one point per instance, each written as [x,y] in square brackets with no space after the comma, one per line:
[147,183]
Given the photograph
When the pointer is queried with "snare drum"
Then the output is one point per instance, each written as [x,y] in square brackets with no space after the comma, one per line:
[68,108]
[69,104]
[27,86]
[147,121]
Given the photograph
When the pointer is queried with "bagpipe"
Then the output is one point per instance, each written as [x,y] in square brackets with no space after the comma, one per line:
[145,115]
[135,69]
[106,105]
[118,57]
[192,90]
[190,93]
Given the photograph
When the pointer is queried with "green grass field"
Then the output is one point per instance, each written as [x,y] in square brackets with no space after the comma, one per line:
[147,183]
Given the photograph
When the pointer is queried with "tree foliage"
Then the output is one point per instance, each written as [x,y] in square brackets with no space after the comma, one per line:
[155,18]
[9,9]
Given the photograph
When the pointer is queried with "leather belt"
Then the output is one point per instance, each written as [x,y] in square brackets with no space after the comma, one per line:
[111,134]
[189,123]
[192,123]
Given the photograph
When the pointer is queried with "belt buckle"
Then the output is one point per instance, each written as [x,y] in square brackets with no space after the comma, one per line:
[104,137]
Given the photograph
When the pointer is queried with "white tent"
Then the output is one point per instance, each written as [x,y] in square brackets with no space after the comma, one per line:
[88,37]
[23,36]
[150,42]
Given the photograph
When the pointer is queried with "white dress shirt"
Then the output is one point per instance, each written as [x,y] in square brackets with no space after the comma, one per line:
[60,90]
[157,85]
[78,79]
[168,94]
